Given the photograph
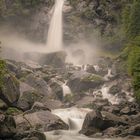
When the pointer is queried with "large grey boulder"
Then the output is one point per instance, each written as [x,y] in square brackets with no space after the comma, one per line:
[92,124]
[96,121]
[41,120]
[38,83]
[57,90]
[10,91]
[28,98]
[82,81]
[55,59]
[7,126]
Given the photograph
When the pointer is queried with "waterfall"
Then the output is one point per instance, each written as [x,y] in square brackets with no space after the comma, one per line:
[55,32]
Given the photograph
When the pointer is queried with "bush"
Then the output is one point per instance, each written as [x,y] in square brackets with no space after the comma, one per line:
[134,69]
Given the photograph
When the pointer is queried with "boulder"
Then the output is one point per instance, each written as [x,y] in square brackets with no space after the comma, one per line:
[111,120]
[96,121]
[38,83]
[41,120]
[37,106]
[28,98]
[7,126]
[112,132]
[57,89]
[133,130]
[3,105]
[115,89]
[55,59]
[92,124]
[10,91]
[82,81]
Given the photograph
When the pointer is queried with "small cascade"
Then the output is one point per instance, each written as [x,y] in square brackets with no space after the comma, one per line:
[66,90]
[97,68]
[74,117]
[105,93]
[55,32]
[108,75]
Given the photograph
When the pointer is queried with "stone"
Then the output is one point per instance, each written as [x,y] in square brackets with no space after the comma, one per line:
[10,92]
[40,120]
[38,84]
[29,135]
[92,124]
[7,126]
[57,89]
[55,59]
[82,81]
[28,98]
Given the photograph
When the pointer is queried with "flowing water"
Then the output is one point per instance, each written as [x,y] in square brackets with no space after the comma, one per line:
[74,117]
[55,32]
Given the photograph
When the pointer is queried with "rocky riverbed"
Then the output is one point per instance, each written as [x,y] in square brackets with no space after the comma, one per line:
[100,95]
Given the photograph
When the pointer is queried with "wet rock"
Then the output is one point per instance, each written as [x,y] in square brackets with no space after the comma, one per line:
[55,59]
[37,82]
[92,124]
[82,81]
[97,122]
[90,69]
[10,91]
[52,104]
[115,89]
[28,98]
[30,135]
[37,106]
[11,66]
[7,126]
[111,132]
[41,120]
[99,103]
[3,105]
[111,120]
[133,130]
[57,89]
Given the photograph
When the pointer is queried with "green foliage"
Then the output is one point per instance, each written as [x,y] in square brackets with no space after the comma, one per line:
[134,68]
[131,28]
[131,20]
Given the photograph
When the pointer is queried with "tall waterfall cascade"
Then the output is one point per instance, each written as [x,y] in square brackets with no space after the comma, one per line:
[55,32]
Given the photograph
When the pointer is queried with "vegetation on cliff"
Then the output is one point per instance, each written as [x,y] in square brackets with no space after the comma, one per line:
[131,26]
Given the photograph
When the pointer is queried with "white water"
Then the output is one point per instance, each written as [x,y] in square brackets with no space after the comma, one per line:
[55,32]
[66,90]
[76,115]
[108,75]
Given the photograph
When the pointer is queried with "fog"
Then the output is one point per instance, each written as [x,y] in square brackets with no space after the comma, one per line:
[17,46]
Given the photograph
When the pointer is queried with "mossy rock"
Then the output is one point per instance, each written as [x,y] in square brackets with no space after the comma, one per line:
[28,99]
[13,111]
[92,78]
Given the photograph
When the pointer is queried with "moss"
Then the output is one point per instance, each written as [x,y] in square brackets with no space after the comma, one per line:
[92,78]
[68,98]
[13,111]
